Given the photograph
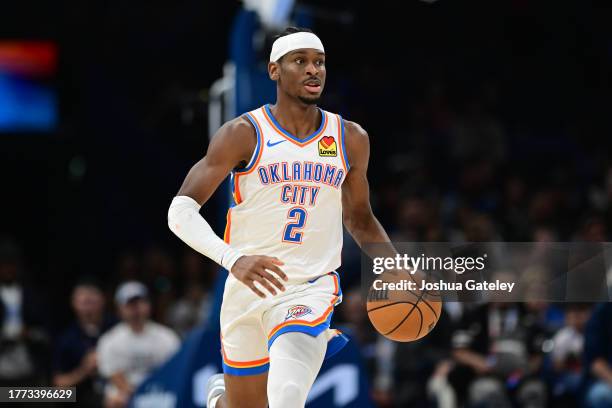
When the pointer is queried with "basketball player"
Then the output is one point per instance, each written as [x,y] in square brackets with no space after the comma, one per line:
[298,172]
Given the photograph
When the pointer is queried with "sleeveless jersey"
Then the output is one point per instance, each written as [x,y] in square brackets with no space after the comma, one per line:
[288,199]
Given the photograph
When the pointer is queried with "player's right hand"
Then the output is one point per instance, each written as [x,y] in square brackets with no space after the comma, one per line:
[249,269]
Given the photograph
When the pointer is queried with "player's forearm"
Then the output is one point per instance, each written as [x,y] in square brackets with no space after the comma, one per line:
[366,229]
[185,221]
[602,370]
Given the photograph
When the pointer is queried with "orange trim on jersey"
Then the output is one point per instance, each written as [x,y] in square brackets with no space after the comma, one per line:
[336,285]
[260,144]
[242,364]
[316,321]
[280,132]
[246,364]
[228,226]
[237,196]
[341,144]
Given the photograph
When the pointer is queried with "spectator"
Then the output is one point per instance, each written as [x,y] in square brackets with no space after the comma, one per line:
[418,359]
[133,348]
[598,357]
[566,355]
[492,351]
[75,359]
[23,340]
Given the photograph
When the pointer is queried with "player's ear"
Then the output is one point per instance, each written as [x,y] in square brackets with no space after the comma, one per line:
[273,71]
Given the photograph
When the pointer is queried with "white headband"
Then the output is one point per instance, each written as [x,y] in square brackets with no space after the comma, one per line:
[294,42]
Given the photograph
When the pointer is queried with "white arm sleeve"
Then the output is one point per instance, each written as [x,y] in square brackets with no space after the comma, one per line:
[185,221]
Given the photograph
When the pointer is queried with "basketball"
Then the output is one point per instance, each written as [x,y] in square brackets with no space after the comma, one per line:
[399,310]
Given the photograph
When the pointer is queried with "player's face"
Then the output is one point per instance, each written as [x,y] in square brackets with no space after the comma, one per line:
[301,74]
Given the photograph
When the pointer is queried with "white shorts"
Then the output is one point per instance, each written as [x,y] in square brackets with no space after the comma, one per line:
[250,324]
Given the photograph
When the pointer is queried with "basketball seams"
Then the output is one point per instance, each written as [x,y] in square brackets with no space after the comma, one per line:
[390,304]
[414,305]
[432,309]
[400,327]
[403,320]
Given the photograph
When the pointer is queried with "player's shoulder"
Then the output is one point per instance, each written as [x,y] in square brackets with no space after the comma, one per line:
[237,128]
[237,133]
[357,143]
[354,130]
[355,136]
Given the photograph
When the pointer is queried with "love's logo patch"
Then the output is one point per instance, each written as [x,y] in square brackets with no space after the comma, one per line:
[327,147]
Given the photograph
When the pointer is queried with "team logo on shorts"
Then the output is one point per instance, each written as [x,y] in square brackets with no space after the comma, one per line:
[327,147]
[297,311]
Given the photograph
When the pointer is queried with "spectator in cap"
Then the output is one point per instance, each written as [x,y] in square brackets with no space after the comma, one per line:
[133,348]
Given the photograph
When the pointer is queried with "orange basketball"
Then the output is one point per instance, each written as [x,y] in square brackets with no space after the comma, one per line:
[401,311]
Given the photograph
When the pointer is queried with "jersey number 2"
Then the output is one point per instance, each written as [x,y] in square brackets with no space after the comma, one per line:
[293,233]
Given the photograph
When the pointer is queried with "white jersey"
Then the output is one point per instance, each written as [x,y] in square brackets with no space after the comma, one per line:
[288,199]
[136,355]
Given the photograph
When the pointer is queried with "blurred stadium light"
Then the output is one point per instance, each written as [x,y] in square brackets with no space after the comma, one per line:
[27,98]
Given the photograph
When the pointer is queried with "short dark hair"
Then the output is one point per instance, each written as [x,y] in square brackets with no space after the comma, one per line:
[292,30]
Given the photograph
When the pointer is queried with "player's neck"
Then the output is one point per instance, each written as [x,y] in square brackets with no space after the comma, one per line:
[299,119]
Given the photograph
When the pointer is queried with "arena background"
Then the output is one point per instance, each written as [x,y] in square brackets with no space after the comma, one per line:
[487,120]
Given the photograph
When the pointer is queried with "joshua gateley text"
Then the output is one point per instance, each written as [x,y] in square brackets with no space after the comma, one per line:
[470,284]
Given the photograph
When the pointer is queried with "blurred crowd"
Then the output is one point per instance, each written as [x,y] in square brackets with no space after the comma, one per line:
[493,355]
[531,354]
[460,172]
[119,329]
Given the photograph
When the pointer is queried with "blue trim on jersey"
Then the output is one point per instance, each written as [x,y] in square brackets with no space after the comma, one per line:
[335,344]
[233,190]
[289,135]
[348,166]
[314,331]
[245,371]
[339,294]
[257,147]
